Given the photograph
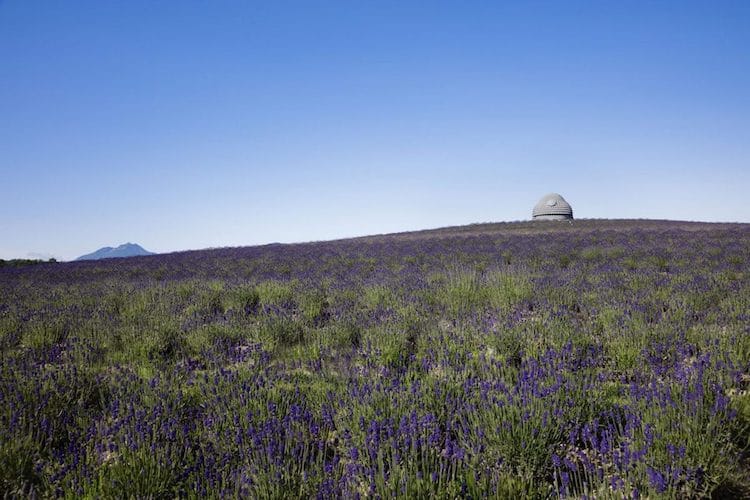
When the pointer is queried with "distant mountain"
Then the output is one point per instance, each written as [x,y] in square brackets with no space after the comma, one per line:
[125,250]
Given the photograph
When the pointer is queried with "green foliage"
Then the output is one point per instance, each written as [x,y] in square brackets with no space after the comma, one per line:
[41,335]
[375,296]
[169,344]
[140,473]
[270,373]
[9,333]
[630,263]
[314,306]
[25,262]
[565,260]
[346,335]
[469,291]
[660,262]
[273,292]
[592,254]
[18,474]
[244,298]
[282,332]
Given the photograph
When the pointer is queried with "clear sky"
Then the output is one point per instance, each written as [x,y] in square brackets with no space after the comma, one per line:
[194,124]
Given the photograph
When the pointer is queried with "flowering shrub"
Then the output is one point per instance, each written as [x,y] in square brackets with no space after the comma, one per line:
[599,358]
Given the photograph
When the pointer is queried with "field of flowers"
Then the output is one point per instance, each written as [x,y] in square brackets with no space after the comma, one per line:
[516,360]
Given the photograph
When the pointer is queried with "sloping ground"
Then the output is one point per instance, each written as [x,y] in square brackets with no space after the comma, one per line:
[488,236]
[600,358]
[577,225]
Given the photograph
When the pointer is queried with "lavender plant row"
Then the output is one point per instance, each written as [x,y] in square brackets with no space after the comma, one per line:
[599,359]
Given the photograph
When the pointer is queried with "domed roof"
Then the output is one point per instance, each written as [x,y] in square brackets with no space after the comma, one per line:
[552,205]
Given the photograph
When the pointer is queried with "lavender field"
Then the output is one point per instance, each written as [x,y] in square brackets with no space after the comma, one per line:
[517,360]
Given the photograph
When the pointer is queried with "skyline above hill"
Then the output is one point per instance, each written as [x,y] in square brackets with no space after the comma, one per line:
[188,125]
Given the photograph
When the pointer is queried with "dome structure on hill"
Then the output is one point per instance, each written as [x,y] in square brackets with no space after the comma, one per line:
[552,207]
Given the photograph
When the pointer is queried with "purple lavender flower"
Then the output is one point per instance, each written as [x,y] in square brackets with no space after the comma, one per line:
[656,479]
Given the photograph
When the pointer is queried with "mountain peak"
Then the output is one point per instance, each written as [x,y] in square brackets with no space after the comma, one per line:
[124,250]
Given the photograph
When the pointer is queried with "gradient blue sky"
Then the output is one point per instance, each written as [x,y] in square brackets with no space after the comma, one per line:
[193,124]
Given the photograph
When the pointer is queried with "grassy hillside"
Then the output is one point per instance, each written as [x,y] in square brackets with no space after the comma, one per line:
[605,358]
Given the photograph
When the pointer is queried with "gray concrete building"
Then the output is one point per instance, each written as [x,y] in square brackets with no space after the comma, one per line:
[552,207]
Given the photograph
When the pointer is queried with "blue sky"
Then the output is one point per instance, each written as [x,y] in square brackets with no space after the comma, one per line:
[194,124]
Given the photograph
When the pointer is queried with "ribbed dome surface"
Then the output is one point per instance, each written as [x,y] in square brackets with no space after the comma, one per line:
[552,206]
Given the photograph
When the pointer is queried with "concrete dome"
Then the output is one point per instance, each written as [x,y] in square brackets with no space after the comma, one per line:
[552,207]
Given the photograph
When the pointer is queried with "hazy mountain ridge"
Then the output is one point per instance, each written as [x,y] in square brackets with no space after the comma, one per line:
[124,250]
